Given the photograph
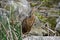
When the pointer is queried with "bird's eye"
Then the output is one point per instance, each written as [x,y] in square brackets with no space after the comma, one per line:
[29,16]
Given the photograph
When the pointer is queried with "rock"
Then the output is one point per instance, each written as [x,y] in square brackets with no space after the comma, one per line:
[58,6]
[37,31]
[58,24]
[58,19]
[41,38]
[21,8]
[58,27]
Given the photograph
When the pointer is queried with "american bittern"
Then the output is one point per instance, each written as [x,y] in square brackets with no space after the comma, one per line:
[28,22]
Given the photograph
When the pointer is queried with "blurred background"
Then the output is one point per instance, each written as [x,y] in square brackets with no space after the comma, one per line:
[29,18]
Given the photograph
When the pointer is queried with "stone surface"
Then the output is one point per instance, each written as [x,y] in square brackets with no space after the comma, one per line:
[58,24]
[21,8]
[42,38]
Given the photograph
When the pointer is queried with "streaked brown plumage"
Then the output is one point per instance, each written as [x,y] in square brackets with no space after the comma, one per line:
[27,23]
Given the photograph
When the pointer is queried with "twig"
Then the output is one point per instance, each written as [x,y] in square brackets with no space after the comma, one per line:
[51,30]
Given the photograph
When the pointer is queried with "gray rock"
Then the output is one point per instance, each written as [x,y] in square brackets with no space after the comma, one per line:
[58,19]
[42,38]
[58,24]
[58,6]
[21,8]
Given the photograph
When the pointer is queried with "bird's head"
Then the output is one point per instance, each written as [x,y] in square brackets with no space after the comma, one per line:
[32,11]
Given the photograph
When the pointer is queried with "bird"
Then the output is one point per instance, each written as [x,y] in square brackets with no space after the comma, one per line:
[28,22]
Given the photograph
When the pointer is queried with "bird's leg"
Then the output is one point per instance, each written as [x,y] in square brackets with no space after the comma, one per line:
[28,34]
[23,36]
